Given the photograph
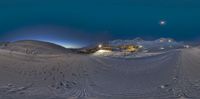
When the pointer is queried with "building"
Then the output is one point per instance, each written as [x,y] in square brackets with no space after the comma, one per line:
[129,48]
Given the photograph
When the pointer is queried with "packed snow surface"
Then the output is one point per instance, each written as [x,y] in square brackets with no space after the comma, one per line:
[173,74]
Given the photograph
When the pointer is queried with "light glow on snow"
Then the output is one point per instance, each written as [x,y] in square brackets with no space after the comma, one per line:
[103,51]
[162,48]
[186,46]
[140,46]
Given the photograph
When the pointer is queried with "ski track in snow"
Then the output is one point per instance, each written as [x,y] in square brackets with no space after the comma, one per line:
[171,75]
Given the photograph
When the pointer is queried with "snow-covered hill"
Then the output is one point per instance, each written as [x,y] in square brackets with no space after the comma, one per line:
[34,47]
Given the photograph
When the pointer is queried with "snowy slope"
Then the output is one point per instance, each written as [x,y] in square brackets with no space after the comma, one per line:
[171,75]
[34,47]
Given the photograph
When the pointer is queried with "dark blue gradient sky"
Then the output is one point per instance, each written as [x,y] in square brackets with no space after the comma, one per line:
[75,23]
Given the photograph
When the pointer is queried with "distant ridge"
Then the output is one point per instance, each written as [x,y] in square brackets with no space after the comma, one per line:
[35,47]
[139,40]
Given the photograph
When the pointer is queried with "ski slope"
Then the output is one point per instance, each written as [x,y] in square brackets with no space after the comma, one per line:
[171,75]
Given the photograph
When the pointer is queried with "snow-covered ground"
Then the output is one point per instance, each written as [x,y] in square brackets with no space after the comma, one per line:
[174,74]
[125,55]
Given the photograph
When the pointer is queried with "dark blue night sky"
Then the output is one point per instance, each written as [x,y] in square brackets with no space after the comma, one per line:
[76,23]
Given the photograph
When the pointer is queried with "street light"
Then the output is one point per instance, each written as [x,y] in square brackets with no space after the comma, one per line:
[100,46]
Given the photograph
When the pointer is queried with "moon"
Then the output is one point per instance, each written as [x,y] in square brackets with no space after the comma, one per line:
[162,22]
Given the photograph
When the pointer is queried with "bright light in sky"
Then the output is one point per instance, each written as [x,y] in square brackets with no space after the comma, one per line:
[162,22]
